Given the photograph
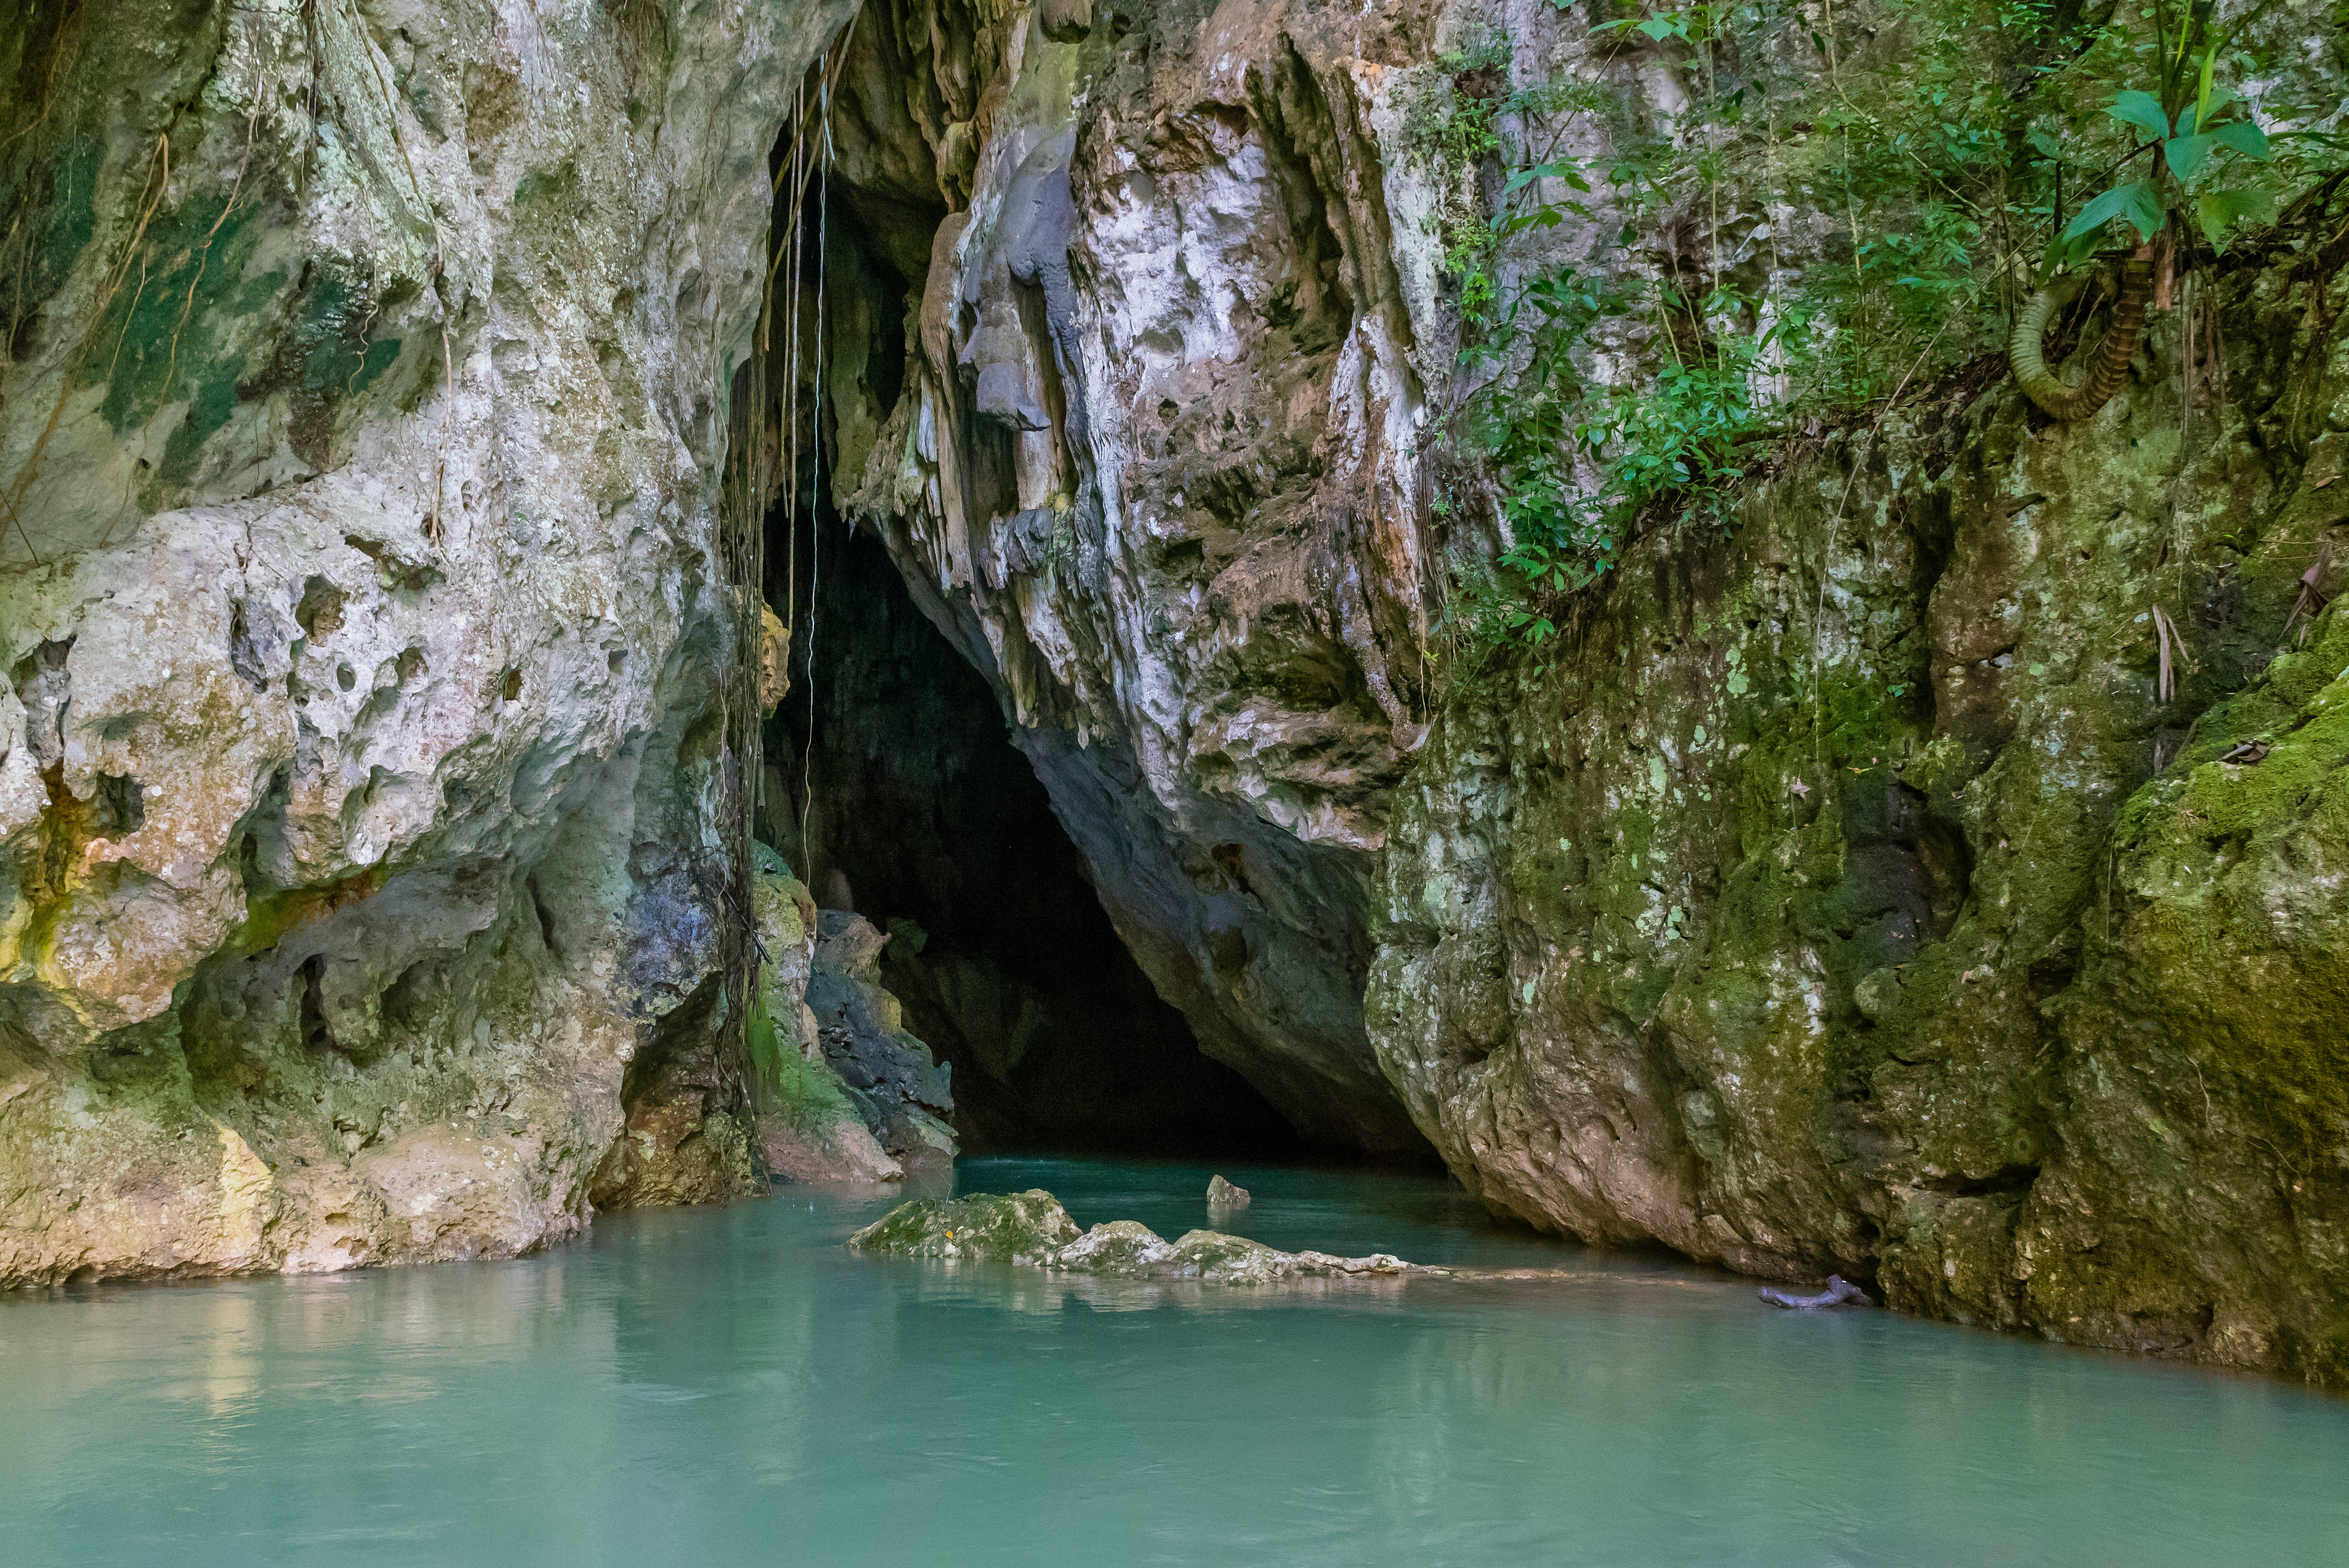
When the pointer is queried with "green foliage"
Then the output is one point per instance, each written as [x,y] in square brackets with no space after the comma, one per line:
[1578,462]
[2193,129]
[1937,152]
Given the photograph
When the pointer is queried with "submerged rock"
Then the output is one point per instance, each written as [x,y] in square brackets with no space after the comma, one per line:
[1014,1227]
[1032,1229]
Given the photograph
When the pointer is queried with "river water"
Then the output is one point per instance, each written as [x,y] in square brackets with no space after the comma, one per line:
[732,1387]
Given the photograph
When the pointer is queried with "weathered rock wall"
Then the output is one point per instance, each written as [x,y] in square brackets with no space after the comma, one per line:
[1846,892]
[358,591]
[1153,468]
[1832,899]
[1847,895]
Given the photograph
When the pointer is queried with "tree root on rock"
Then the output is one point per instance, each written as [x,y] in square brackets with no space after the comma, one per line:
[2108,367]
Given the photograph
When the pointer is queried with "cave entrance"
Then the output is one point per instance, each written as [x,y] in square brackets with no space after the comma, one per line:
[922,815]
[893,786]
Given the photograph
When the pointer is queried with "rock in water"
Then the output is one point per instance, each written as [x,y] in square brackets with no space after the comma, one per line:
[1222,1194]
[900,1088]
[1031,1228]
[1014,1227]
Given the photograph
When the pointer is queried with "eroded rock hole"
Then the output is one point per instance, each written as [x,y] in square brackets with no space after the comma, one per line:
[43,684]
[319,612]
[119,806]
[545,916]
[316,1035]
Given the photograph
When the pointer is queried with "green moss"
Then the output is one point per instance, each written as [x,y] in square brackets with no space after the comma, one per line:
[2236,938]
[985,1225]
[185,290]
[807,1095]
[60,200]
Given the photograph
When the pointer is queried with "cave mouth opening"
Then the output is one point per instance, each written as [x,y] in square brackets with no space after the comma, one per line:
[923,817]
[892,783]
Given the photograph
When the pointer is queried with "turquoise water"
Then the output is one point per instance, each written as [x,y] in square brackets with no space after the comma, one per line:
[734,1386]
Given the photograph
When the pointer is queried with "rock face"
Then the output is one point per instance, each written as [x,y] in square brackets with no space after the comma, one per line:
[812,1126]
[360,610]
[1847,896]
[899,1086]
[850,1103]
[1172,522]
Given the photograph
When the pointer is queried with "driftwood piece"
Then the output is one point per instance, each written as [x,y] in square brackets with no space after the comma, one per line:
[1840,1292]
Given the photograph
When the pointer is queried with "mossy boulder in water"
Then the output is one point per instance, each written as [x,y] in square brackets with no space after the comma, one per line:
[1032,1227]
[1011,1227]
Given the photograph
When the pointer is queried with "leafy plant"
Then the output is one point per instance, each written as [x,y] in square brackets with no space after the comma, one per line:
[2193,129]
[1917,154]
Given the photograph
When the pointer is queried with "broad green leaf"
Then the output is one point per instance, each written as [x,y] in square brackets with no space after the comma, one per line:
[1569,172]
[2138,201]
[2201,115]
[2141,110]
[2220,210]
[2047,145]
[2186,154]
[1659,29]
[2241,136]
[2066,252]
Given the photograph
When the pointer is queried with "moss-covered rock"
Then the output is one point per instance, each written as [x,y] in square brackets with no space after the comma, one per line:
[1031,1228]
[1017,1227]
[1846,894]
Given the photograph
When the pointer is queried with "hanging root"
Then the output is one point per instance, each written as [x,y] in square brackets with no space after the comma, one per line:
[2108,367]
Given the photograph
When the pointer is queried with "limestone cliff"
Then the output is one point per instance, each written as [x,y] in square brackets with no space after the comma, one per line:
[1835,894]
[359,455]
[1864,879]
[1847,896]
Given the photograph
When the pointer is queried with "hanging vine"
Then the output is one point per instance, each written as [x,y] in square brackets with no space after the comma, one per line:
[763,450]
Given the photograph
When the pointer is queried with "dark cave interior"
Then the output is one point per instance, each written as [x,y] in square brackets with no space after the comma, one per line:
[923,816]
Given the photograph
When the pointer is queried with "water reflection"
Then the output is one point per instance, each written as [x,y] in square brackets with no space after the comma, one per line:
[736,1386]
